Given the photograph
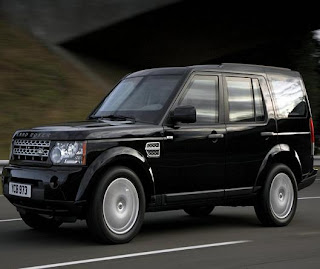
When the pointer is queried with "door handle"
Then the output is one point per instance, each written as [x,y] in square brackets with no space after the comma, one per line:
[215,136]
[268,134]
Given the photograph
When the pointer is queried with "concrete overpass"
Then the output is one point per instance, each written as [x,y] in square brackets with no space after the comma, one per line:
[59,20]
[113,37]
[144,33]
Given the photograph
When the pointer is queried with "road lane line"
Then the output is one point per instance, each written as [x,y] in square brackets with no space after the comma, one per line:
[139,254]
[308,198]
[8,220]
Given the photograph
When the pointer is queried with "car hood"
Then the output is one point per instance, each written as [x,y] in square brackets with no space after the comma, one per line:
[89,130]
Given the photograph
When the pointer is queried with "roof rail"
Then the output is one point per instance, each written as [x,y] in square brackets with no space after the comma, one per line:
[205,65]
[255,65]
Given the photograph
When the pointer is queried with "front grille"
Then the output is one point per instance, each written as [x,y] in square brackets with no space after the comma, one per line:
[31,150]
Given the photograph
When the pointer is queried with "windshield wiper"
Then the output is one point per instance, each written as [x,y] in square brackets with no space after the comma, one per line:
[117,117]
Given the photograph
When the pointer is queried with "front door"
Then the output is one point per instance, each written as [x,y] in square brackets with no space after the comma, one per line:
[193,159]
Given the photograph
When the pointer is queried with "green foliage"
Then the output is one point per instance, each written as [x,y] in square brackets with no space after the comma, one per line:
[37,87]
[305,58]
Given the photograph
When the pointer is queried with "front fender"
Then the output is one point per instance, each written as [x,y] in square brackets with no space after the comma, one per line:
[106,158]
[279,153]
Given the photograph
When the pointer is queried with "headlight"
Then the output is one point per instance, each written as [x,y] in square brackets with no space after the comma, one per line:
[69,153]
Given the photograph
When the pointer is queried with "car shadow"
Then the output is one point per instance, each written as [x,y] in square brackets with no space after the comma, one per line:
[155,225]
[186,222]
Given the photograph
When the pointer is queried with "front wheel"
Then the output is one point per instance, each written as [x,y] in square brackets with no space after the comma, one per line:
[117,206]
[277,202]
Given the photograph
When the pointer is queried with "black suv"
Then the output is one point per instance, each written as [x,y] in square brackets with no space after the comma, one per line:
[187,138]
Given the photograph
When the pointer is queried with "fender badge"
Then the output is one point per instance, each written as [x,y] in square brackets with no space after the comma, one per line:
[153,149]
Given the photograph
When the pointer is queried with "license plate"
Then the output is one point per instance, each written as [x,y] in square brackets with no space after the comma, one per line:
[22,190]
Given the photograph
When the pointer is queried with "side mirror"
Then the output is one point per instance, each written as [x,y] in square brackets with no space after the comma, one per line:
[184,114]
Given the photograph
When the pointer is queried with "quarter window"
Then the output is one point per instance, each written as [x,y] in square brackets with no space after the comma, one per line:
[245,100]
[202,93]
[289,96]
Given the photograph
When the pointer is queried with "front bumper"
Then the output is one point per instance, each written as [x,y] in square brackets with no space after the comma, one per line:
[308,180]
[46,198]
[62,210]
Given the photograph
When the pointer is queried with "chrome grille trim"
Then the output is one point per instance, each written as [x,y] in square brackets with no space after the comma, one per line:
[25,142]
[31,150]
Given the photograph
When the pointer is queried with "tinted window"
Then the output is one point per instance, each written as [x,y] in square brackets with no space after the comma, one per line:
[202,93]
[289,96]
[143,98]
[241,105]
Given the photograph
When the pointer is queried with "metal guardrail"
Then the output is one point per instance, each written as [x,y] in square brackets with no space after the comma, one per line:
[5,162]
[2,164]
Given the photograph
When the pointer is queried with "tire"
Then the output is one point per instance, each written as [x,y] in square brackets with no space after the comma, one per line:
[117,206]
[277,202]
[39,222]
[199,211]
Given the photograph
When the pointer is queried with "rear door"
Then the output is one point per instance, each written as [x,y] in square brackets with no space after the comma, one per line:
[249,114]
[293,116]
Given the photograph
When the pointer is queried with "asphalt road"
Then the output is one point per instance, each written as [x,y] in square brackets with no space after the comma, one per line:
[163,237]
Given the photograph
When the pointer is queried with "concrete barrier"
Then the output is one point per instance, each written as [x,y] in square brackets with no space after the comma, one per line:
[2,164]
[316,161]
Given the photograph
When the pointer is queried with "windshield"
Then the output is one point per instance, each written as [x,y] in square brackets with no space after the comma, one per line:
[143,99]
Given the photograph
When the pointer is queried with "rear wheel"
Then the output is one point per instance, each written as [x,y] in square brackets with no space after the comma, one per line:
[117,207]
[199,211]
[277,202]
[40,222]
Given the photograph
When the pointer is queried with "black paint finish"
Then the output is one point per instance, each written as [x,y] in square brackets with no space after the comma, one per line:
[221,163]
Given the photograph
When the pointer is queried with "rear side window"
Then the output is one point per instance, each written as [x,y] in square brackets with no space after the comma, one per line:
[245,100]
[289,96]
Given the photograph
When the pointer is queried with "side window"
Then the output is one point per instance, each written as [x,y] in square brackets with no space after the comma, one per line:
[289,96]
[202,93]
[245,100]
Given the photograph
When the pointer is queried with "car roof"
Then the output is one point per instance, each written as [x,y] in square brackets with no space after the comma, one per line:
[225,67]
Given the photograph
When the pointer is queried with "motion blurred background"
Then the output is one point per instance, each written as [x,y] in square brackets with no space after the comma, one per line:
[59,58]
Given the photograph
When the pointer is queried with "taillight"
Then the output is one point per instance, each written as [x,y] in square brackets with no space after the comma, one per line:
[312,139]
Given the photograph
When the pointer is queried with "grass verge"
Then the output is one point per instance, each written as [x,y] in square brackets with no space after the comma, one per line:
[37,87]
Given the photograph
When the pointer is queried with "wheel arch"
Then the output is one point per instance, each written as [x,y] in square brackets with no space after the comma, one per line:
[283,154]
[118,156]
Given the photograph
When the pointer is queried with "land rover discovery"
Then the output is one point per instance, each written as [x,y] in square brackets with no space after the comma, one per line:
[188,138]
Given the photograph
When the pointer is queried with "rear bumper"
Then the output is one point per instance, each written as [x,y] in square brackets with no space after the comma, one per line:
[308,180]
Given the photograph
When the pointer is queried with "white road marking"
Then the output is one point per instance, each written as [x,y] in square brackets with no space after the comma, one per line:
[308,198]
[139,254]
[8,220]
[309,233]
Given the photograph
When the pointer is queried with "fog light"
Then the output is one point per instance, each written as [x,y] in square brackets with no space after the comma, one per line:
[54,182]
